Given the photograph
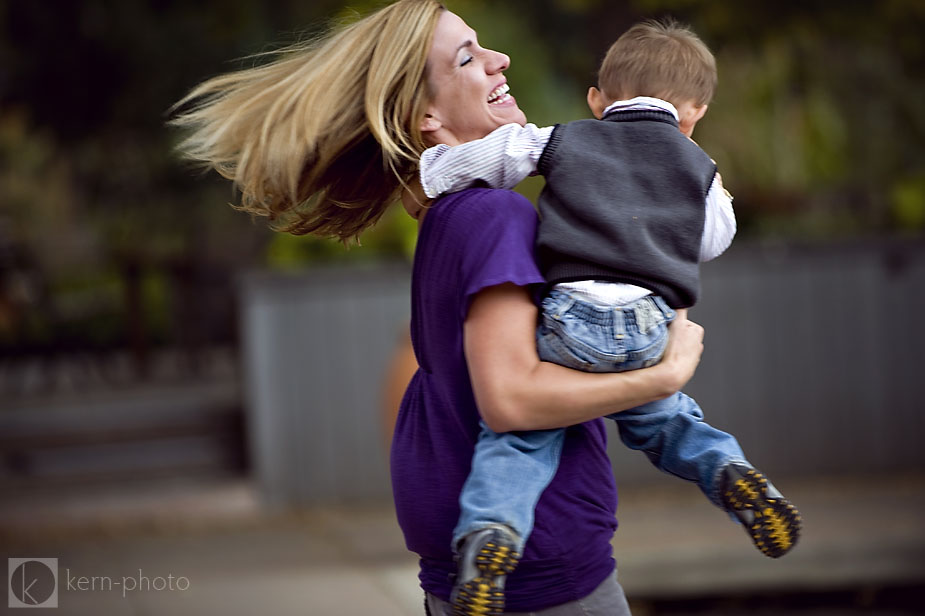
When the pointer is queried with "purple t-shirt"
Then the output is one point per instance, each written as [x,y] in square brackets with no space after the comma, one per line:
[469,241]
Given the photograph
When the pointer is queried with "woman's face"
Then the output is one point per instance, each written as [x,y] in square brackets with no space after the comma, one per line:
[468,88]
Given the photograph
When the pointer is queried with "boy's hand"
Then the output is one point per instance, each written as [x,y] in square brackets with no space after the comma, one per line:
[414,200]
[685,346]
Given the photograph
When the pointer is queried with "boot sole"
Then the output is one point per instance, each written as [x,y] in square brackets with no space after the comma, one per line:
[776,525]
[482,596]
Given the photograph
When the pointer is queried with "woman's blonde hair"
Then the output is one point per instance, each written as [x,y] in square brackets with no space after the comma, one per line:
[660,59]
[321,139]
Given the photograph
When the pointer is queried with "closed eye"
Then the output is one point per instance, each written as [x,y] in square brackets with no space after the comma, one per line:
[465,48]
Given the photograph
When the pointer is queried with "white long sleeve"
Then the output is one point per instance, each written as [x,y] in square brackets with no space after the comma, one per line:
[501,159]
[511,153]
[720,222]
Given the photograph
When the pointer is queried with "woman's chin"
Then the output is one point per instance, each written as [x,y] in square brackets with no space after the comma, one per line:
[508,112]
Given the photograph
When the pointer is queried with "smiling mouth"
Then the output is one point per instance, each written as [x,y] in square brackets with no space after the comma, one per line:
[499,95]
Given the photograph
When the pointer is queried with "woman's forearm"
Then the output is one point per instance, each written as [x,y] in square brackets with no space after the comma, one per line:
[516,391]
[553,396]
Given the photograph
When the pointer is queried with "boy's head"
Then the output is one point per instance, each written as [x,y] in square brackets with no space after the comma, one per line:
[663,60]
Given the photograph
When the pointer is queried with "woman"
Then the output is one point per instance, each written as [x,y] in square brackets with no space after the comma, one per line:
[321,141]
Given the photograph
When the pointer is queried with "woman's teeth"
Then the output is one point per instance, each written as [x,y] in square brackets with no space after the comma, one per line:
[499,95]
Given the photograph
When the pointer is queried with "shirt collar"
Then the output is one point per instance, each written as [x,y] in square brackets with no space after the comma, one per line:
[646,103]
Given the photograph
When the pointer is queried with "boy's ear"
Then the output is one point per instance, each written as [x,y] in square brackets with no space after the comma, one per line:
[689,116]
[596,102]
[430,124]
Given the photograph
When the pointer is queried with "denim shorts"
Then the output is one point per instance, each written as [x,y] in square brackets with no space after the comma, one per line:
[580,335]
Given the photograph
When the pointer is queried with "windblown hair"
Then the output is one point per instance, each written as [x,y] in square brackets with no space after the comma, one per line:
[663,60]
[322,138]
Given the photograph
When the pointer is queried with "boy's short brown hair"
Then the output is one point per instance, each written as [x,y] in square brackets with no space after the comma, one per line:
[661,59]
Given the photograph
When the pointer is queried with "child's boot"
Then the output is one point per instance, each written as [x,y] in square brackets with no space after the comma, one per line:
[769,518]
[485,558]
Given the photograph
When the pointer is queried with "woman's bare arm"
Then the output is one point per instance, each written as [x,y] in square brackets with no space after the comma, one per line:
[514,390]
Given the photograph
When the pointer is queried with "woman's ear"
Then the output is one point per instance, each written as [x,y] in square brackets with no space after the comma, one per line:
[596,102]
[430,124]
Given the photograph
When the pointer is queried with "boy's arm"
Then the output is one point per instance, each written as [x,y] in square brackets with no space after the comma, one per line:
[501,159]
[720,225]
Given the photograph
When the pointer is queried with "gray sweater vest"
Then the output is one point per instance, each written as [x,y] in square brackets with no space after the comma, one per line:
[624,202]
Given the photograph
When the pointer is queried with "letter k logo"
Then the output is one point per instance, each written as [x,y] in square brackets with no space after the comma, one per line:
[33,582]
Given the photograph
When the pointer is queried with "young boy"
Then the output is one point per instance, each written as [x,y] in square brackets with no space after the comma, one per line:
[630,208]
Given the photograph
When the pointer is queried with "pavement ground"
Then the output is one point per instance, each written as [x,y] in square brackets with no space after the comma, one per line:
[221,552]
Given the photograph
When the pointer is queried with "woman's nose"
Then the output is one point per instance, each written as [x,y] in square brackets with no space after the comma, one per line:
[498,62]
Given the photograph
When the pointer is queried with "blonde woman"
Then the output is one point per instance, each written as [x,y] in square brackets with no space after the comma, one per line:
[325,137]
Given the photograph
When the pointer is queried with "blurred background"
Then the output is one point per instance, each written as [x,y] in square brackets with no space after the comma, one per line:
[183,390]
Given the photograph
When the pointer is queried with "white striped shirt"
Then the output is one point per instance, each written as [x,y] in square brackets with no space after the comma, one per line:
[511,153]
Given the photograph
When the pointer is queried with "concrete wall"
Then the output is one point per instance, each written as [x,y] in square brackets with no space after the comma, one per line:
[813,359]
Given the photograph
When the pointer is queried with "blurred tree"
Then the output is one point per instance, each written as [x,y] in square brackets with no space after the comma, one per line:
[816,126]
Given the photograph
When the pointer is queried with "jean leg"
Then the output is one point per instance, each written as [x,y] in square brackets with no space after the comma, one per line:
[677,441]
[509,473]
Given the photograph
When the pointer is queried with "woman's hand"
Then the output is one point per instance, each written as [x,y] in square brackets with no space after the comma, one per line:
[685,346]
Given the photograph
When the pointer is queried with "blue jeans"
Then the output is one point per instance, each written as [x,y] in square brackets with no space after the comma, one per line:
[511,470]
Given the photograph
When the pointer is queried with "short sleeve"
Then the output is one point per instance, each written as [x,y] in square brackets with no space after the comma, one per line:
[498,230]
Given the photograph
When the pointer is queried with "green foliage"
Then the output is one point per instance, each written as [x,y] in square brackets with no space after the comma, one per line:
[393,238]
[817,124]
[88,309]
[908,200]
